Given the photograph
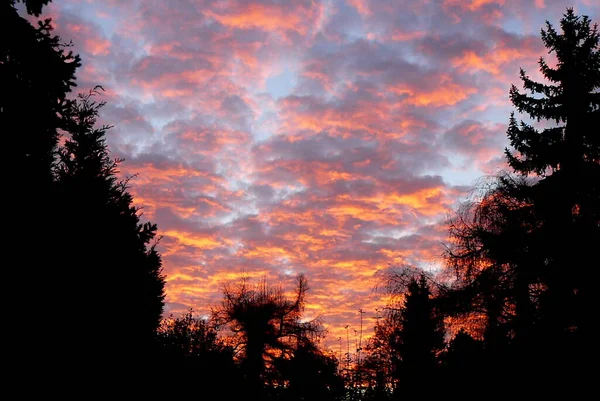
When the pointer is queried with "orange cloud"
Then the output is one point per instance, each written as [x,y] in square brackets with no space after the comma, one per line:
[255,15]
[195,240]
[323,176]
[98,47]
[472,5]
[492,62]
[448,93]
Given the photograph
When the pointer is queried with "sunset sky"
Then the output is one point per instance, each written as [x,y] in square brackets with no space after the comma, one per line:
[328,137]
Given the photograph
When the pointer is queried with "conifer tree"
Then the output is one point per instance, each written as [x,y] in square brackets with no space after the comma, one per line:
[110,257]
[419,338]
[529,244]
[309,374]
[37,72]
[566,156]
[570,99]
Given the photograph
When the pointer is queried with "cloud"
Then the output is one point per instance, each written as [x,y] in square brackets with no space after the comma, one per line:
[392,110]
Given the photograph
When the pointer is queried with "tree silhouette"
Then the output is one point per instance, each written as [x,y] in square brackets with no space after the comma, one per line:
[465,367]
[419,338]
[111,262]
[310,374]
[265,324]
[37,72]
[192,352]
[571,98]
[29,91]
[567,156]
[493,269]
[522,252]
[410,336]
[188,336]
[34,7]
[380,361]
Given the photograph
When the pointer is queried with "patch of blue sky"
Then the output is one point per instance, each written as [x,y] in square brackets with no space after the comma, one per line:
[283,84]
[461,171]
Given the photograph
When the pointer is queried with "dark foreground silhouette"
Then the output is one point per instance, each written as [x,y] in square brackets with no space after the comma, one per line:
[511,315]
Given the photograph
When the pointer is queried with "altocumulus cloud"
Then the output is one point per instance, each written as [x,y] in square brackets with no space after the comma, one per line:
[387,112]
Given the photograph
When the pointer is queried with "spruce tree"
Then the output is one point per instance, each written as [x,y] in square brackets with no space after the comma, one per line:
[566,156]
[528,245]
[570,99]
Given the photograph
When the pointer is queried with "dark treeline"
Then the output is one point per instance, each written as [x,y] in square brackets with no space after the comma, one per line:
[511,314]
[85,275]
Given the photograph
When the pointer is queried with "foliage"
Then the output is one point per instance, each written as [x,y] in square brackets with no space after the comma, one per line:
[192,352]
[521,253]
[265,324]
[111,258]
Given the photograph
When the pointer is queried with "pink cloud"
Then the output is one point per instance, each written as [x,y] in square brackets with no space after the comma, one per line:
[341,171]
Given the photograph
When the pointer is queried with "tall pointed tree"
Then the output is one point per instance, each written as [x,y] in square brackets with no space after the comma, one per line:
[529,244]
[116,285]
[567,157]
[570,99]
[310,374]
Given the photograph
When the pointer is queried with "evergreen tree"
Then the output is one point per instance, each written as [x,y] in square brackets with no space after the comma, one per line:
[523,252]
[465,367]
[566,201]
[36,75]
[37,72]
[113,270]
[419,338]
[570,99]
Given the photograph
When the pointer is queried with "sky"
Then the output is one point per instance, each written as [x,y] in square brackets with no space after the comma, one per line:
[326,137]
